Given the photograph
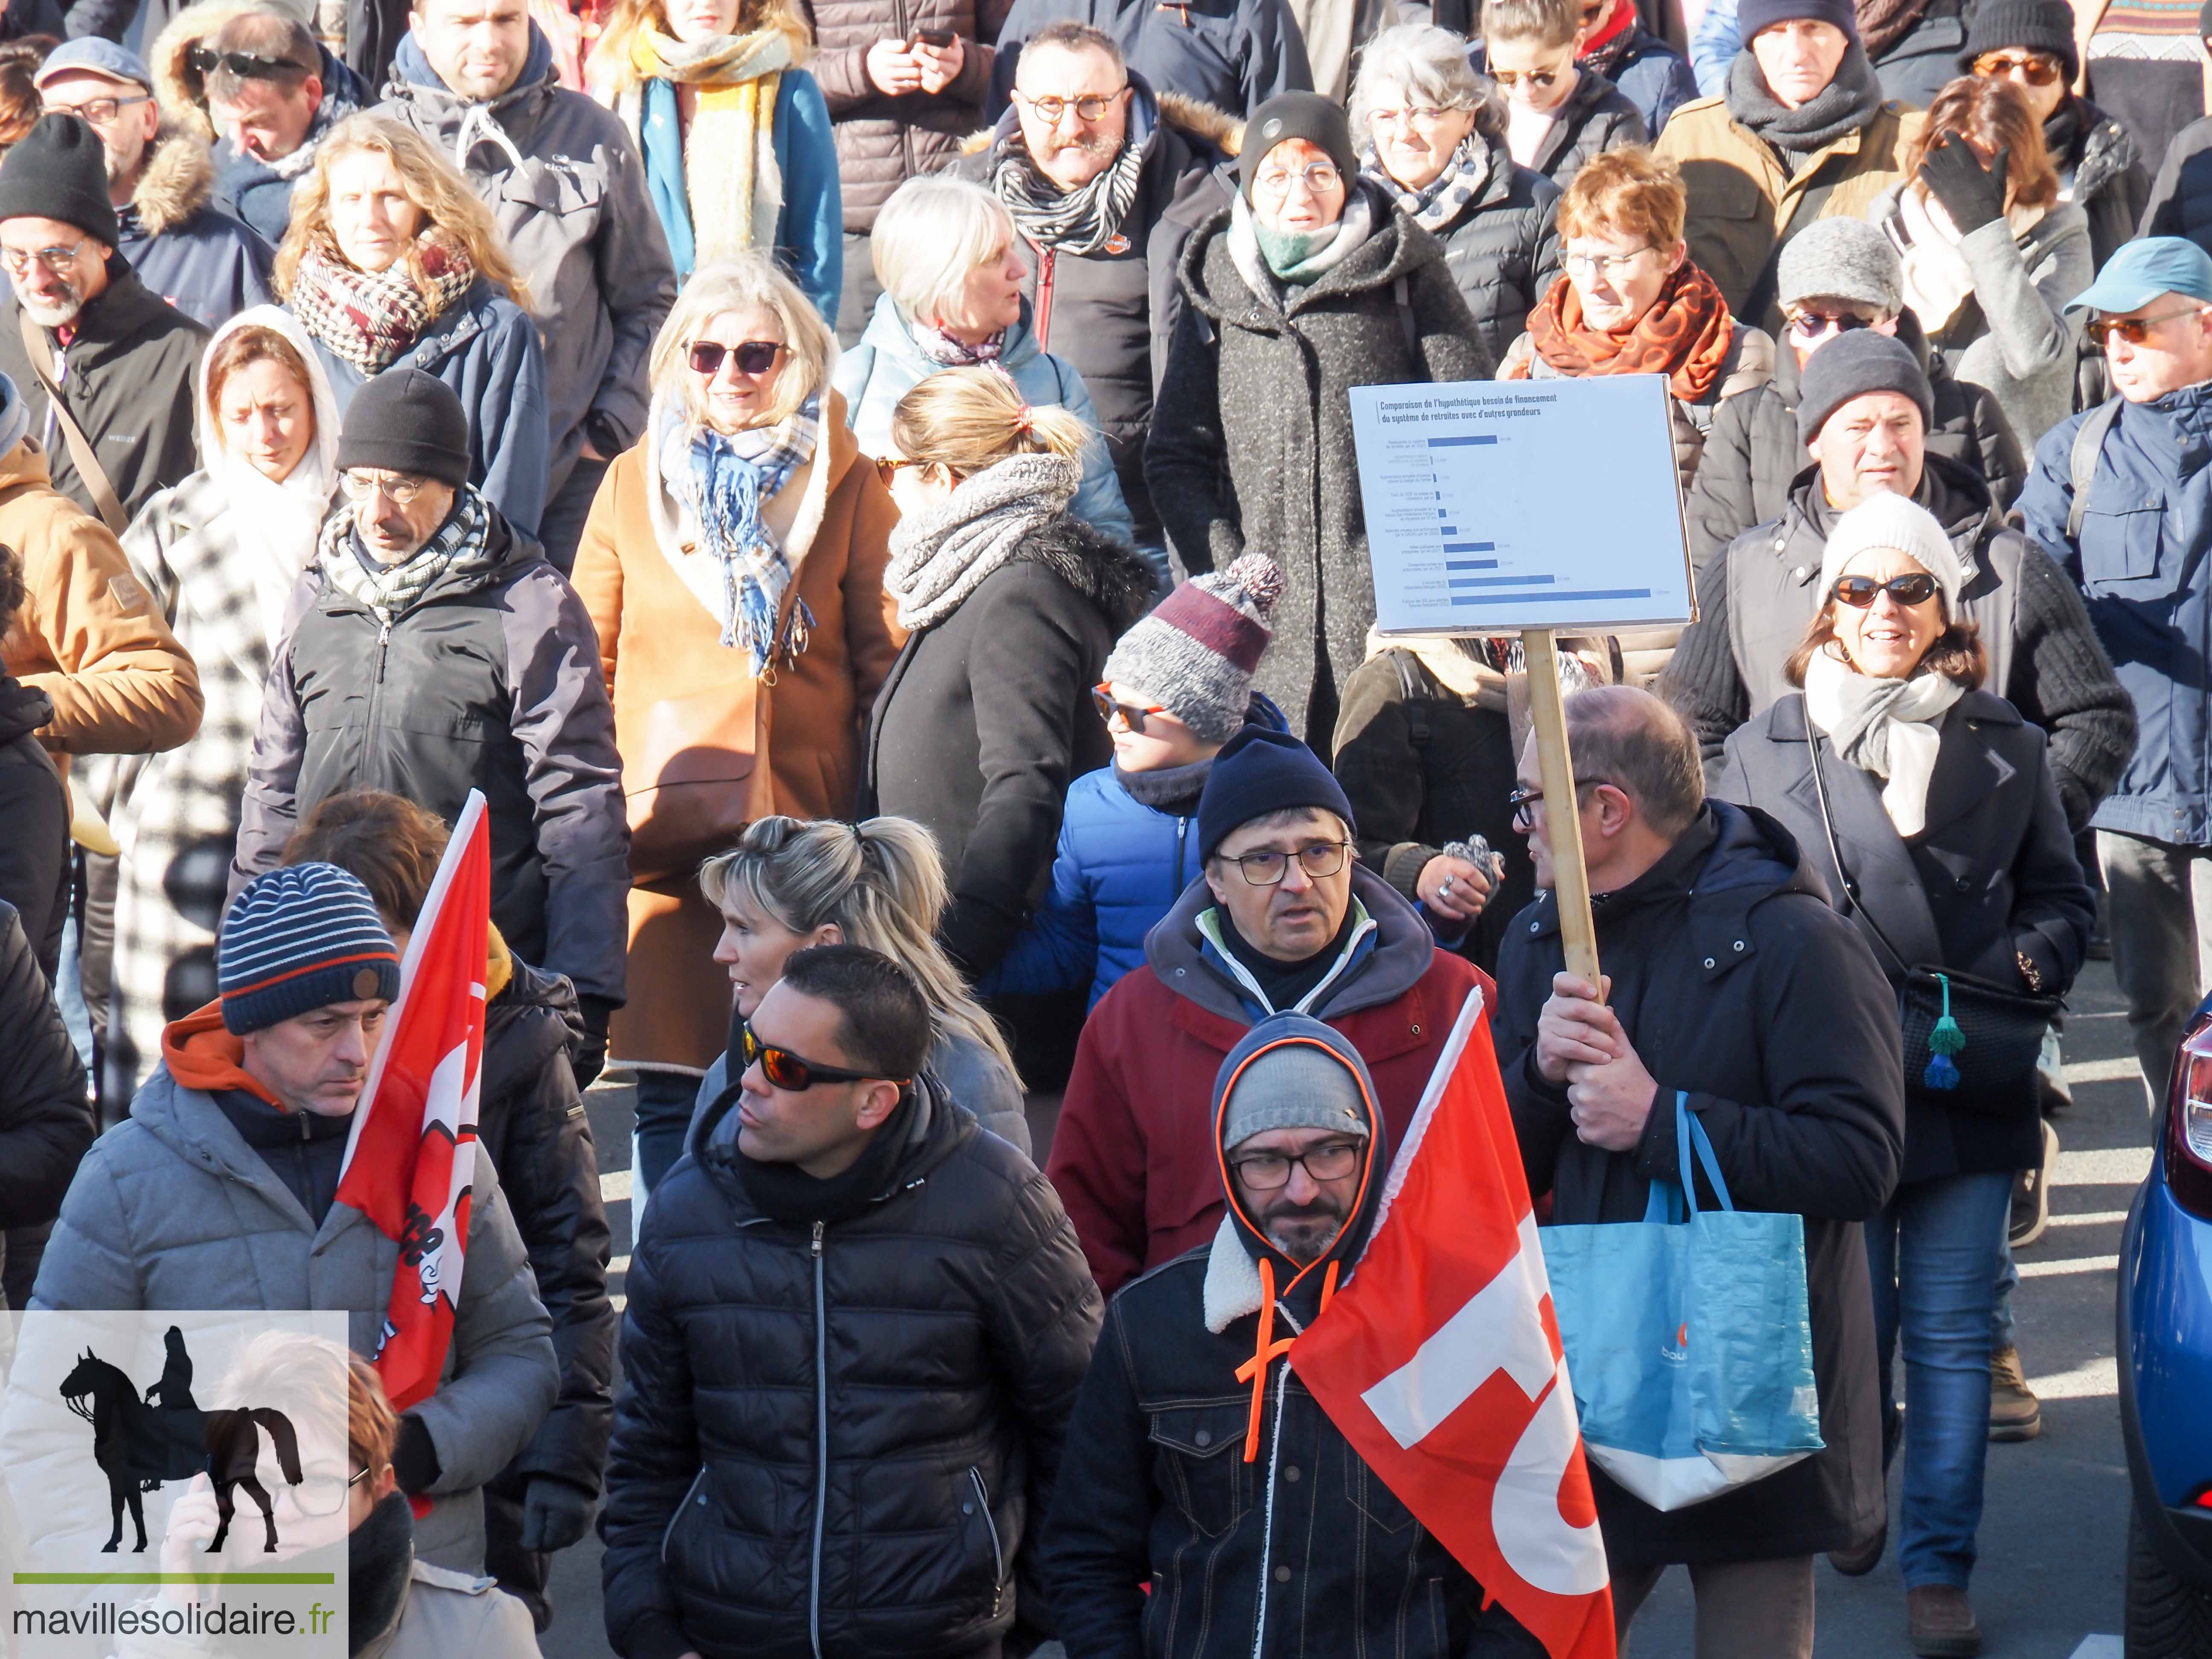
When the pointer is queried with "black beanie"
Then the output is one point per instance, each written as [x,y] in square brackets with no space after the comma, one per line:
[405,421]
[1753,15]
[1260,771]
[57,170]
[1320,121]
[2024,26]
[1850,367]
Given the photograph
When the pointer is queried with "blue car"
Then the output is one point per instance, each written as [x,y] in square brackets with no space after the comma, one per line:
[2166,1370]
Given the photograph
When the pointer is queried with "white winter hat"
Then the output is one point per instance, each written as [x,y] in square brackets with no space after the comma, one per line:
[1905,525]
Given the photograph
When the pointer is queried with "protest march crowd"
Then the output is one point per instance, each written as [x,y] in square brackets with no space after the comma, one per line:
[853,507]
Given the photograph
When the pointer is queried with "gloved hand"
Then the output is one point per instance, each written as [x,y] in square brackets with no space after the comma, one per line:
[1971,194]
[414,1457]
[554,1514]
[589,1057]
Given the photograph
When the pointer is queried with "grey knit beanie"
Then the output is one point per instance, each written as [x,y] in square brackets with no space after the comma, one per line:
[1841,259]
[1293,1086]
[1195,654]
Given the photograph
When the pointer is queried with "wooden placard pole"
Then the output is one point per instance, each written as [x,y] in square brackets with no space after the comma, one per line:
[1562,822]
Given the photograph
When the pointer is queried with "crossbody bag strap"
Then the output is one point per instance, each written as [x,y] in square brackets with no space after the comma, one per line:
[1835,850]
[80,447]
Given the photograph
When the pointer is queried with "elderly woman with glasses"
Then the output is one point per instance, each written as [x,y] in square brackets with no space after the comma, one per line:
[1930,810]
[1432,133]
[733,566]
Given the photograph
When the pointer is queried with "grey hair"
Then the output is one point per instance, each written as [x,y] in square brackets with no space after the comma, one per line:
[1428,68]
[748,279]
[1642,745]
[933,231]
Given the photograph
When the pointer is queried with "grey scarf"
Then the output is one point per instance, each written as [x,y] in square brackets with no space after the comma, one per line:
[1438,203]
[459,545]
[939,559]
[1074,222]
[1845,103]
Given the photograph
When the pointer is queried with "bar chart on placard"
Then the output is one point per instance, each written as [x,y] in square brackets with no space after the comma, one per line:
[1470,491]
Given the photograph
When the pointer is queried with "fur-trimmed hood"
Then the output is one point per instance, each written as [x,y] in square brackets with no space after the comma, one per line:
[1194,118]
[179,180]
[181,91]
[1109,574]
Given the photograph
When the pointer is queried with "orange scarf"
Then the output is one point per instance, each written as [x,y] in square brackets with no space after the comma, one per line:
[203,1053]
[1684,335]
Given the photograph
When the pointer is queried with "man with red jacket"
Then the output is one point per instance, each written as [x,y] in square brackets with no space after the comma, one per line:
[1282,918]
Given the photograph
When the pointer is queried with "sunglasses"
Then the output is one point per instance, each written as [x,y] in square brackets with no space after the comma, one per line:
[887,467]
[1132,716]
[205,60]
[2034,67]
[2134,330]
[1860,591]
[785,1071]
[1510,79]
[1814,325]
[754,356]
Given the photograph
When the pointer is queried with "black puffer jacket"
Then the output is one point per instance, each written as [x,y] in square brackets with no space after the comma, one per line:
[1917,64]
[857,1421]
[1735,983]
[986,718]
[35,852]
[1752,454]
[1597,117]
[45,1119]
[2110,183]
[532,1122]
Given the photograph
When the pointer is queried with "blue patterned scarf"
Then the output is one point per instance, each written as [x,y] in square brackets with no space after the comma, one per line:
[724,481]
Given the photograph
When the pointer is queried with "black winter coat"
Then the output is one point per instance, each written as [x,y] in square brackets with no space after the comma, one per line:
[857,1420]
[1597,117]
[1752,455]
[532,1123]
[1916,67]
[1736,983]
[1251,441]
[1991,875]
[490,681]
[35,852]
[128,377]
[2181,195]
[986,718]
[1755,602]
[45,1118]
[1503,250]
[2110,183]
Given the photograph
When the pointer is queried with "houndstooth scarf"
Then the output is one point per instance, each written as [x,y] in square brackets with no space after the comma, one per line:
[1076,222]
[460,543]
[369,318]
[722,483]
[938,559]
[1440,202]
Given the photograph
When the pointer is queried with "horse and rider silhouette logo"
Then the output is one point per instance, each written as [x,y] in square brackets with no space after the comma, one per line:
[139,1444]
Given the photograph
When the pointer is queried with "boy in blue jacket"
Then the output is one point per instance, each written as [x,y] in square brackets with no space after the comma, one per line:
[1177,686]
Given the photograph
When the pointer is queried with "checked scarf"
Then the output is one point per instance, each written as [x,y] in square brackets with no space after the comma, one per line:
[460,543]
[1439,203]
[723,482]
[1076,222]
[1685,335]
[369,318]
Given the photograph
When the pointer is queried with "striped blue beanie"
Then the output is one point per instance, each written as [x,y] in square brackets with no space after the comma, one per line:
[300,937]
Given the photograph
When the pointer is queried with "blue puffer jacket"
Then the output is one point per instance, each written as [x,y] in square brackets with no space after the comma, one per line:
[486,348]
[2140,561]
[887,364]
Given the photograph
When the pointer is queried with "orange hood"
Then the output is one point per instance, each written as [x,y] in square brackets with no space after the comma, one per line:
[203,1053]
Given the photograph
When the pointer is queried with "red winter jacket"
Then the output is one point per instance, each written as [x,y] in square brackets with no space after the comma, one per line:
[1132,1157]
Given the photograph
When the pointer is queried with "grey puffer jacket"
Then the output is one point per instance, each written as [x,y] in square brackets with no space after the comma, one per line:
[172,1209]
[1597,117]
[1251,440]
[566,184]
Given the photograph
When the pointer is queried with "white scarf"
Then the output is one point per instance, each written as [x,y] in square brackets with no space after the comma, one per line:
[275,524]
[1937,278]
[1886,728]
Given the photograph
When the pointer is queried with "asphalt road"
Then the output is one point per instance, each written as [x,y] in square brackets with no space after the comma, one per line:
[2053,1534]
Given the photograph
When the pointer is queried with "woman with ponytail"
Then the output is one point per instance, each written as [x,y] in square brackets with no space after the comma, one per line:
[1011,605]
[790,884]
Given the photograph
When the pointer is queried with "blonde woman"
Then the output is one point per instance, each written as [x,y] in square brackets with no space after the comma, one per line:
[734,133]
[392,261]
[740,544]
[1012,604]
[879,883]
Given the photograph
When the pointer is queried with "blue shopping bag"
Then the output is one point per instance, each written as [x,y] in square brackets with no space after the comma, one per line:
[1688,1340]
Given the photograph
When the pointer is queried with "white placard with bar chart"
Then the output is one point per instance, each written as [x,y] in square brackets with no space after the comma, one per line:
[1493,507]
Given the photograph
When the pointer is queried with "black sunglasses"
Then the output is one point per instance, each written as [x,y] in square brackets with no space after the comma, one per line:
[205,60]
[1859,592]
[787,1072]
[754,356]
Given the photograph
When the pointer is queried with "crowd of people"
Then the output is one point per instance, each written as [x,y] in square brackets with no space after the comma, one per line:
[867,496]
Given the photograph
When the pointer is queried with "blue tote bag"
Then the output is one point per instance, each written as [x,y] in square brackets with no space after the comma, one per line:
[1689,1343]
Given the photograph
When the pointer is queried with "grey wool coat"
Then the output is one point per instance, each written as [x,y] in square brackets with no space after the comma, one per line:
[172,1209]
[1251,440]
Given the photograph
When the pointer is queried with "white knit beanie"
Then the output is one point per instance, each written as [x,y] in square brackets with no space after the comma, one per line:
[1904,526]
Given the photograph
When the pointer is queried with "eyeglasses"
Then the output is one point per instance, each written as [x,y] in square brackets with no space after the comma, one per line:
[1264,1172]
[101,112]
[324,1494]
[1524,801]
[205,60]
[754,356]
[1133,716]
[1607,265]
[1510,79]
[1322,860]
[361,487]
[1859,592]
[1410,118]
[1319,177]
[2134,330]
[2037,68]
[1815,324]
[788,1072]
[1091,106]
[60,261]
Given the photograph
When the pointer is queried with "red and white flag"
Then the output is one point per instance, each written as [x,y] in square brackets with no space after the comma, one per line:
[1439,1360]
[412,1154]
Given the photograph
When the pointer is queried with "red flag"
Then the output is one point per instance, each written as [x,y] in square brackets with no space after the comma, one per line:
[1439,1360]
[412,1151]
